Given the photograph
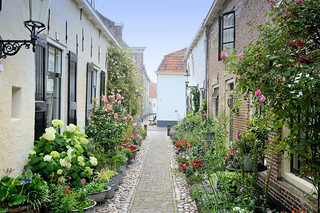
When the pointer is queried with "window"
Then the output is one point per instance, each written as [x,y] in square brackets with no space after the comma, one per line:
[215,97]
[53,91]
[91,88]
[226,32]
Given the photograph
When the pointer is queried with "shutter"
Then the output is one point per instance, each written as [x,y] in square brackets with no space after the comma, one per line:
[102,83]
[72,88]
[40,86]
[89,97]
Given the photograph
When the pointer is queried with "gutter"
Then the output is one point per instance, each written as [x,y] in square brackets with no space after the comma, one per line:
[93,16]
[211,15]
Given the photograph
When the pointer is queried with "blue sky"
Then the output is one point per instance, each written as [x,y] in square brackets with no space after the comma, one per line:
[162,26]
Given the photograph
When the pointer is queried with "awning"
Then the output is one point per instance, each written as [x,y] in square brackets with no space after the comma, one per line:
[215,93]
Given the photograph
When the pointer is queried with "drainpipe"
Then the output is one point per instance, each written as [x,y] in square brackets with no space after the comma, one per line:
[206,68]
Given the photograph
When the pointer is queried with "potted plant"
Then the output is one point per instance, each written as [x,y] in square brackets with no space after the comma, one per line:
[26,193]
[118,160]
[97,191]
[66,199]
[105,176]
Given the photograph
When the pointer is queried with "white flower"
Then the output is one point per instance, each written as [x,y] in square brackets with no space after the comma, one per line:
[49,136]
[57,123]
[80,158]
[60,171]
[69,153]
[93,161]
[65,163]
[32,152]
[50,130]
[71,128]
[84,141]
[55,154]
[81,163]
[47,158]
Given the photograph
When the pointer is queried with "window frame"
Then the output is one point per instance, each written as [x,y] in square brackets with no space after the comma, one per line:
[56,76]
[221,30]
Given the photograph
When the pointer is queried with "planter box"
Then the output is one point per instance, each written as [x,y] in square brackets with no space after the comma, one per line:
[110,193]
[123,169]
[115,181]
[99,197]
[89,209]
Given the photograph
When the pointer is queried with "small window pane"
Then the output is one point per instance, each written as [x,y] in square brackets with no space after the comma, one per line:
[58,61]
[51,59]
[228,20]
[228,35]
[229,45]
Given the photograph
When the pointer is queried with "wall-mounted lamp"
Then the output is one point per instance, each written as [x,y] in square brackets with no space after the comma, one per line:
[230,101]
[35,12]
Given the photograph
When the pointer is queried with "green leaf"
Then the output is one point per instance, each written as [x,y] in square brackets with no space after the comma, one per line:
[16,200]
[42,164]
[50,167]
[74,175]
[48,148]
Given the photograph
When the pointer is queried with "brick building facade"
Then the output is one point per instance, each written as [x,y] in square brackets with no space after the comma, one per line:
[233,24]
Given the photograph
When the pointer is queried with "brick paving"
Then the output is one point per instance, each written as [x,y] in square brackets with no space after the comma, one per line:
[155,192]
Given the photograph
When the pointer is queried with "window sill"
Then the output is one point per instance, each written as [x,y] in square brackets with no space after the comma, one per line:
[298,182]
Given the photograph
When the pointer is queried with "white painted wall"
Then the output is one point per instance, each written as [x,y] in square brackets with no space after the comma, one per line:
[17,80]
[196,63]
[170,96]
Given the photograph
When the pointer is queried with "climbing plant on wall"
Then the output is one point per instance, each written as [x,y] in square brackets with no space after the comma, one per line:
[123,78]
[282,69]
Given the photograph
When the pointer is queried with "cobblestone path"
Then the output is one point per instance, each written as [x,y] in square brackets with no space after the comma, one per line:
[155,192]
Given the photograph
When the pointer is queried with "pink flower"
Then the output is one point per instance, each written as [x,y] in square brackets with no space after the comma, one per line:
[131,119]
[118,96]
[83,181]
[125,118]
[119,102]
[319,76]
[116,116]
[298,1]
[240,56]
[105,110]
[106,101]
[241,189]
[89,119]
[257,92]
[109,107]
[299,42]
[102,170]
[262,98]
[270,1]
[223,55]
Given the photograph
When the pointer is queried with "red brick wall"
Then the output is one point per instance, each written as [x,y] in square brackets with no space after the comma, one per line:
[248,15]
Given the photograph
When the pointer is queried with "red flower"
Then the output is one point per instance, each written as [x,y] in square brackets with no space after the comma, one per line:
[59,181]
[52,175]
[68,191]
[187,164]
[183,168]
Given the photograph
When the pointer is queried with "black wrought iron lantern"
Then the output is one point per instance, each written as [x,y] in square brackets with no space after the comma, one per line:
[35,12]
[230,101]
